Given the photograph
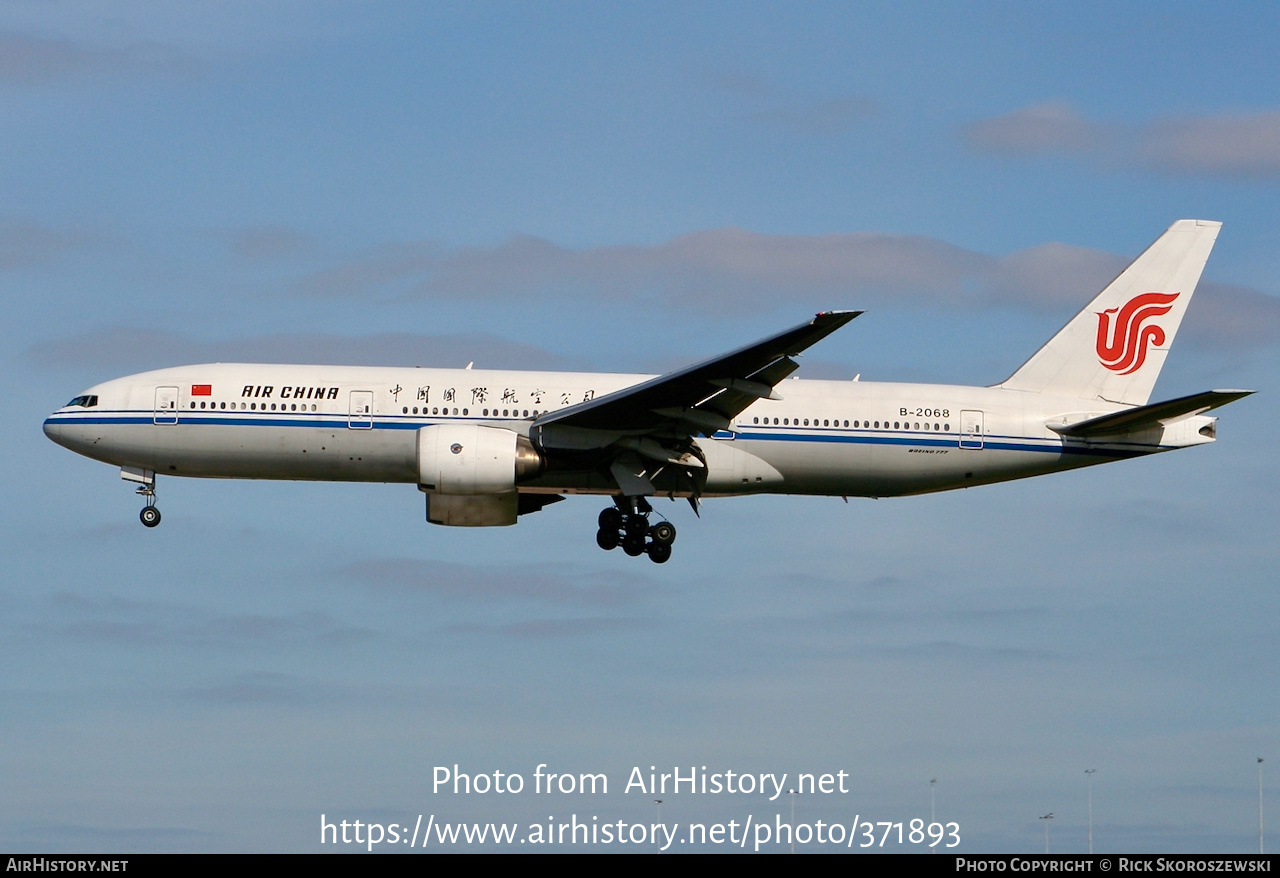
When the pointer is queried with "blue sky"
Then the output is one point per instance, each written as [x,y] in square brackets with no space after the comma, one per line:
[620,187]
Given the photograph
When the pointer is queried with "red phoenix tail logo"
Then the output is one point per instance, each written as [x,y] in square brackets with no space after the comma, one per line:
[1123,348]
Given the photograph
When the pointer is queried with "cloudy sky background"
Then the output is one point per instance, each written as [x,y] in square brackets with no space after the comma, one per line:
[611,187]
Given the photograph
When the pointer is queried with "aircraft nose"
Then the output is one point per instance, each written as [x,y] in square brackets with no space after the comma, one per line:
[59,432]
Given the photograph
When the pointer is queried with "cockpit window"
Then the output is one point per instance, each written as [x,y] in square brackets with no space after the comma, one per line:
[87,401]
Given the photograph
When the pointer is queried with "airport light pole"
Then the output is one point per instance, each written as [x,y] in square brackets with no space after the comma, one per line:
[1046,818]
[657,804]
[1089,773]
[1260,805]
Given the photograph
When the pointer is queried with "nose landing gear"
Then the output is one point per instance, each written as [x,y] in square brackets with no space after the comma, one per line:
[632,531]
[150,515]
[146,480]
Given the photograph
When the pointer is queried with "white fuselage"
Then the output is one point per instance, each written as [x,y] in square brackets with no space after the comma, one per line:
[341,423]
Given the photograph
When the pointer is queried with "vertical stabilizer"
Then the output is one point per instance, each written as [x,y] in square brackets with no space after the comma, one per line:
[1115,347]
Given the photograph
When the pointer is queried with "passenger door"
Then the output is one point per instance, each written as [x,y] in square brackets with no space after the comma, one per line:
[166,410]
[971,429]
[360,416]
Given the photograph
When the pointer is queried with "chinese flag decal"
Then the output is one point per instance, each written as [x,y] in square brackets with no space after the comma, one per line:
[202,390]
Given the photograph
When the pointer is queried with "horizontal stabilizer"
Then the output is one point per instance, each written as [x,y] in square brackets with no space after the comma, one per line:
[1158,414]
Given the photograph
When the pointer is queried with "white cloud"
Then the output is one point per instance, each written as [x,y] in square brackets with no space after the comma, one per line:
[31,60]
[262,243]
[27,59]
[372,272]
[24,243]
[117,348]
[486,584]
[761,103]
[1244,144]
[1229,144]
[1052,127]
[1227,316]
[94,619]
[1052,276]
[825,118]
[718,269]
[705,273]
[704,270]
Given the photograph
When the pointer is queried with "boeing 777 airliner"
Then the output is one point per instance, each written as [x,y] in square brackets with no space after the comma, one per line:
[489,446]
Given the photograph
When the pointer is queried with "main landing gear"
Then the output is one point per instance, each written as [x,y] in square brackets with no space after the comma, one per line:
[632,531]
[150,515]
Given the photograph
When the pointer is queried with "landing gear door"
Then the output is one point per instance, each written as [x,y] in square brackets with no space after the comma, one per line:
[361,413]
[971,429]
[166,411]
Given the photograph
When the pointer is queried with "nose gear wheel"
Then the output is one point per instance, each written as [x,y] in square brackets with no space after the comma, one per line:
[150,515]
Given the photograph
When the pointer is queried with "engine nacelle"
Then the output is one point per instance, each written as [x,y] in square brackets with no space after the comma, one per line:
[470,459]
[481,510]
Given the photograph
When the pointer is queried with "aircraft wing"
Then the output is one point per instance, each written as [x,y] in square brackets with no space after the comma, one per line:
[1157,414]
[699,399]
